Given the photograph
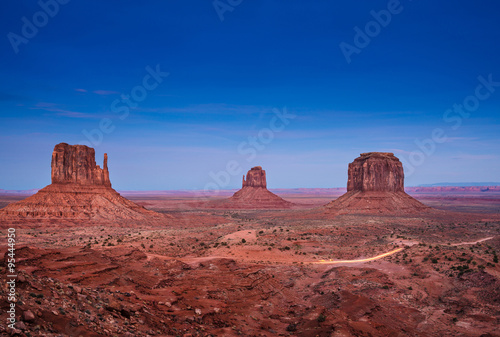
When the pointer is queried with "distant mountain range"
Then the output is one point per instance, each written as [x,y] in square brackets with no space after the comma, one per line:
[28,192]
[460,184]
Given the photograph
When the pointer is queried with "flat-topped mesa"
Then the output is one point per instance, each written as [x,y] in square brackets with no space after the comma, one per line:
[76,164]
[376,171]
[256,177]
[375,185]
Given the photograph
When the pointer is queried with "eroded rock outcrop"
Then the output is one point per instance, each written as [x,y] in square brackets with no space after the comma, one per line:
[80,190]
[376,171]
[375,185]
[256,177]
[76,164]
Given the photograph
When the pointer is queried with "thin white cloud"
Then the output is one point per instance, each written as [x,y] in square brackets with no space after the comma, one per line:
[210,108]
[105,92]
[59,110]
[475,157]
[457,139]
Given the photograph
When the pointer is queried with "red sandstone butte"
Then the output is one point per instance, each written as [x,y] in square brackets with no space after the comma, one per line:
[80,190]
[375,185]
[254,193]
[256,177]
[76,164]
[376,171]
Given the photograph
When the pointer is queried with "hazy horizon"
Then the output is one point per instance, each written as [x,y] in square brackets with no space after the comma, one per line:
[471,184]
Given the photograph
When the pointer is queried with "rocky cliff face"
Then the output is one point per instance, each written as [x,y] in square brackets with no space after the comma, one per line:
[375,185]
[76,164]
[256,177]
[376,171]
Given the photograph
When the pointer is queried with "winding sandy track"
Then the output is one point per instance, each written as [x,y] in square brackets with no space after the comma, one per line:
[389,253]
[473,243]
[360,260]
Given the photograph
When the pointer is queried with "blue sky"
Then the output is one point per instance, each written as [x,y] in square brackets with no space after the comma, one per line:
[227,78]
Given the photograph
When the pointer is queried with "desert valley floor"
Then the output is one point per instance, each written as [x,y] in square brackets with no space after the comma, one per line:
[207,271]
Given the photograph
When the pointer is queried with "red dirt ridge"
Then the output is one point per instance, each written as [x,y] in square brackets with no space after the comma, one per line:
[80,190]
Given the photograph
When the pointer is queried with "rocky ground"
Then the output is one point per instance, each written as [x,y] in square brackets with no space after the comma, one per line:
[256,273]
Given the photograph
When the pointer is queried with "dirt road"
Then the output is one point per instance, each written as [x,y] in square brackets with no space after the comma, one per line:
[359,260]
